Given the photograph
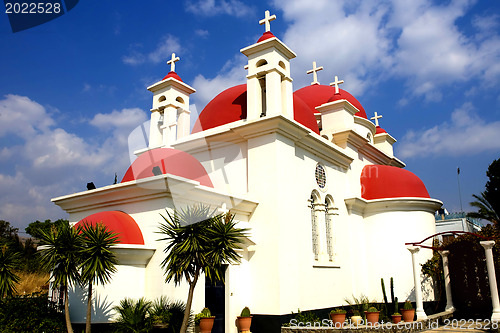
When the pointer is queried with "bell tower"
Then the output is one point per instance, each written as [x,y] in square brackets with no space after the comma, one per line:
[170,115]
[269,85]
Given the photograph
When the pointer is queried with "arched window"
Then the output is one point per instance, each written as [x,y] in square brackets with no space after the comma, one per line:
[329,212]
[261,63]
[314,202]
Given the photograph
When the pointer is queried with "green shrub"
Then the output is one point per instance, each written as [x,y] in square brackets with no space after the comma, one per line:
[245,312]
[372,309]
[407,306]
[133,316]
[336,311]
[28,314]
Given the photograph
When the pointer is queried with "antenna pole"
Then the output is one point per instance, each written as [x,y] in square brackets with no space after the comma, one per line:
[459,192]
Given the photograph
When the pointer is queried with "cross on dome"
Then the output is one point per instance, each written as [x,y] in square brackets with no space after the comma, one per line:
[314,71]
[336,84]
[267,20]
[376,118]
[172,62]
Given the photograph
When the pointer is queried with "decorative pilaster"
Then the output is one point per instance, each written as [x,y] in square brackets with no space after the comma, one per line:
[447,284]
[488,246]
[418,286]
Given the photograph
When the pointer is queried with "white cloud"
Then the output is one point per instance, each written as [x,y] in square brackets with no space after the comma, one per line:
[164,48]
[465,134]
[126,118]
[232,73]
[202,33]
[372,41]
[218,7]
[46,161]
[22,117]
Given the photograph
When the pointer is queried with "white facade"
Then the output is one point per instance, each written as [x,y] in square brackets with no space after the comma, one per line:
[316,238]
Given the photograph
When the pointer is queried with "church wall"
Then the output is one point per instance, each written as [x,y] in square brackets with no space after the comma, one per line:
[227,167]
[389,231]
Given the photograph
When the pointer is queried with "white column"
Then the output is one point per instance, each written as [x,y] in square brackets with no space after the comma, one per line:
[183,123]
[155,133]
[254,104]
[319,211]
[447,285]
[418,286]
[488,246]
[273,93]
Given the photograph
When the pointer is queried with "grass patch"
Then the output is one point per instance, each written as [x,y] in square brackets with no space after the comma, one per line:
[31,283]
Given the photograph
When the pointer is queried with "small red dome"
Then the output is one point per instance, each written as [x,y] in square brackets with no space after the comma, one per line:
[265,35]
[171,161]
[173,75]
[316,95]
[383,181]
[380,130]
[118,222]
[231,105]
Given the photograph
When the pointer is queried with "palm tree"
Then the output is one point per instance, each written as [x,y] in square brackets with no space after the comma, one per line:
[485,210]
[60,253]
[9,261]
[133,316]
[98,259]
[198,242]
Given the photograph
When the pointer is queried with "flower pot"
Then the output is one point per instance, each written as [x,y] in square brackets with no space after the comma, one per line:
[338,318]
[372,317]
[356,320]
[244,323]
[396,318]
[206,324]
[408,315]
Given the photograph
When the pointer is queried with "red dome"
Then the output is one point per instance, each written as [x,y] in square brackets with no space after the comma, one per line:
[265,35]
[316,95]
[231,105]
[380,130]
[119,222]
[171,161]
[173,75]
[383,181]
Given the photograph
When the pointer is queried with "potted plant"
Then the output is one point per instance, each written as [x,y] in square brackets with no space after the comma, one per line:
[356,319]
[338,316]
[205,320]
[372,315]
[408,312]
[396,317]
[244,321]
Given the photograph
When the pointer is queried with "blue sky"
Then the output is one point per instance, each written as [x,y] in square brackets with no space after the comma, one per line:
[73,89]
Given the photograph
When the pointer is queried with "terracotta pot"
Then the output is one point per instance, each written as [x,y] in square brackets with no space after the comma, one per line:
[338,318]
[396,318]
[408,315]
[372,317]
[206,324]
[356,320]
[244,323]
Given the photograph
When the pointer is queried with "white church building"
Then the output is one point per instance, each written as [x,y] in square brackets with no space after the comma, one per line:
[328,205]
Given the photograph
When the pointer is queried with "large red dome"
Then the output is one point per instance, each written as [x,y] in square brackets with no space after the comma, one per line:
[118,222]
[316,95]
[171,161]
[384,181]
[231,105]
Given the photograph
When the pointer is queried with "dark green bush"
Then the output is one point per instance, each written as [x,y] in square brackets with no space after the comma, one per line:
[28,314]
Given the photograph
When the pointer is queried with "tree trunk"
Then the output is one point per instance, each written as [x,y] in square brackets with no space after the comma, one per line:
[89,308]
[188,304]
[66,310]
